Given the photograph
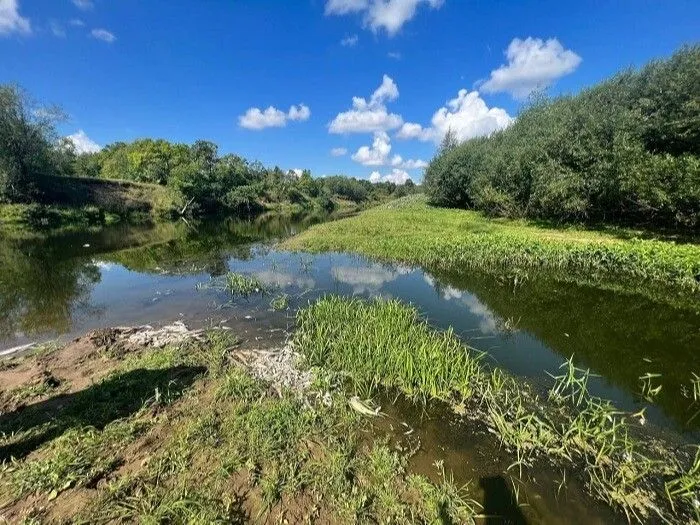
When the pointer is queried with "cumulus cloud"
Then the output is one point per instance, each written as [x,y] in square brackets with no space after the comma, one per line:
[350,41]
[257,119]
[397,176]
[377,154]
[369,116]
[467,116]
[83,4]
[10,19]
[104,35]
[532,64]
[82,143]
[389,15]
[339,152]
[300,112]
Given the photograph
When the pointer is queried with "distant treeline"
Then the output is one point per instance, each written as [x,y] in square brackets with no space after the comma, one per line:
[198,180]
[212,182]
[626,151]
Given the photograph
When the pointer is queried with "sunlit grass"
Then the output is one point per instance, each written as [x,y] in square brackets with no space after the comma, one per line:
[410,231]
[386,343]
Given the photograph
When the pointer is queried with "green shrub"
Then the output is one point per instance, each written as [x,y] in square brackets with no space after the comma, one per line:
[624,151]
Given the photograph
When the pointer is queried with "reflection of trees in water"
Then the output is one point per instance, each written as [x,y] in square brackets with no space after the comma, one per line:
[206,247]
[619,336]
[39,291]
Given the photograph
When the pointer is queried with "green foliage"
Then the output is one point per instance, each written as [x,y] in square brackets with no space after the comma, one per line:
[458,239]
[624,151]
[27,139]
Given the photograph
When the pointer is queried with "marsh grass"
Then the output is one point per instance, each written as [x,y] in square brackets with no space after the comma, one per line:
[459,239]
[384,343]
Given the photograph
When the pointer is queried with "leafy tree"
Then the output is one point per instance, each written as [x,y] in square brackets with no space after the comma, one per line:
[27,144]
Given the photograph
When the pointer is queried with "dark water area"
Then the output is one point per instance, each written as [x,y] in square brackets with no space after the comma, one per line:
[66,284]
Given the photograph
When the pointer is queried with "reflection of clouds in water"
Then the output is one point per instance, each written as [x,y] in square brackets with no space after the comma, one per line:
[367,279]
[488,322]
[283,279]
[103,265]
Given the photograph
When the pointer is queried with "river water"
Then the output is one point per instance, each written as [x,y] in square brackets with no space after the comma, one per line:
[60,286]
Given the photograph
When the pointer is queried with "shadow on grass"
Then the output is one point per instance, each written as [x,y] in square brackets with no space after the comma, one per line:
[114,398]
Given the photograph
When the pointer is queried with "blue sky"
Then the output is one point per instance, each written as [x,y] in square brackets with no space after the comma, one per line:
[376,80]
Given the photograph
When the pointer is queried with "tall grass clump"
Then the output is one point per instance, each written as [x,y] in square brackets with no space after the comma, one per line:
[625,151]
[384,343]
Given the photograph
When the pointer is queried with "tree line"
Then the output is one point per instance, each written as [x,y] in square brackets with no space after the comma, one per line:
[204,180]
[626,151]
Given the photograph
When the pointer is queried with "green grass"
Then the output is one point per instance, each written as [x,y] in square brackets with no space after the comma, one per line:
[386,344]
[145,445]
[409,230]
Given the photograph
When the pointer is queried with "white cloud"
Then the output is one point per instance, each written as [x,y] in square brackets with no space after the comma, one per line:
[377,154]
[83,4]
[397,176]
[297,172]
[532,64]
[82,143]
[343,7]
[389,15]
[76,22]
[300,112]
[339,152]
[257,119]
[467,116]
[394,54]
[10,19]
[350,41]
[411,164]
[104,35]
[368,117]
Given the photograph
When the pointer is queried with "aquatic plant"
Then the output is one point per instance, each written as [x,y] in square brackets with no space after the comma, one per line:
[384,343]
[281,302]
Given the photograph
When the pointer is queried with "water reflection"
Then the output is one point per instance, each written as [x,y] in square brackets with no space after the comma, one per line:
[70,283]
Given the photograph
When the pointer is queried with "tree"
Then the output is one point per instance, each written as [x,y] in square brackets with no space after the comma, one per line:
[27,143]
[449,141]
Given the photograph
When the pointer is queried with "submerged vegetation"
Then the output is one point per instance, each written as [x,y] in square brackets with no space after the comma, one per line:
[623,152]
[409,230]
[386,344]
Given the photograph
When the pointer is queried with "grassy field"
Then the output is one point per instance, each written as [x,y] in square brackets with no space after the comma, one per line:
[409,230]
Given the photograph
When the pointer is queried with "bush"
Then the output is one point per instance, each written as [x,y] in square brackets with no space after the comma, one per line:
[624,151]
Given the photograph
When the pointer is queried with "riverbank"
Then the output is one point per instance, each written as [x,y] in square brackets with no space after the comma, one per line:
[176,425]
[409,230]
